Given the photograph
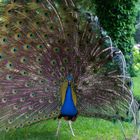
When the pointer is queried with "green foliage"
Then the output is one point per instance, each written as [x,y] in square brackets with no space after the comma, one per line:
[4,1]
[86,5]
[118,18]
[137,35]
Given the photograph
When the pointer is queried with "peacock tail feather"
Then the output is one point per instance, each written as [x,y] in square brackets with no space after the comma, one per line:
[41,42]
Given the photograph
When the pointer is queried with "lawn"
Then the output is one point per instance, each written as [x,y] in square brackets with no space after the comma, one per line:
[84,128]
[136,85]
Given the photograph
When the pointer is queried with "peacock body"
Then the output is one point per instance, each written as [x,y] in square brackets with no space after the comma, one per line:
[56,61]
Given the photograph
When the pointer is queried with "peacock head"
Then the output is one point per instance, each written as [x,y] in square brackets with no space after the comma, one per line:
[69,78]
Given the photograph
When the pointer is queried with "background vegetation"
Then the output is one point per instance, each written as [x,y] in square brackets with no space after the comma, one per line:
[118,18]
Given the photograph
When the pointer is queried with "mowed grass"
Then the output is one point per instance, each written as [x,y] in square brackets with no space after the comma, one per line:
[84,128]
[136,85]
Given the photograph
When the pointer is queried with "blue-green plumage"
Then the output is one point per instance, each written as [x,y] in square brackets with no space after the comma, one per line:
[68,108]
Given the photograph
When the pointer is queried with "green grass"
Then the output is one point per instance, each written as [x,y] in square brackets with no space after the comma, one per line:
[136,81]
[84,128]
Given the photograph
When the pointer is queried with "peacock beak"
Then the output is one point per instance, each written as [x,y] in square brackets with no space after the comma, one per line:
[69,82]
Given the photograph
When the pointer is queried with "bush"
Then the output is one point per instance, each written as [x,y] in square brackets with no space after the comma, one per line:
[118,19]
[136,60]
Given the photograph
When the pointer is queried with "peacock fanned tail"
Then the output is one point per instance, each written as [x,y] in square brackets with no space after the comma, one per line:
[41,42]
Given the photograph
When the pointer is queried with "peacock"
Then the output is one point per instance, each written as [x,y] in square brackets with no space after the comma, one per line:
[56,61]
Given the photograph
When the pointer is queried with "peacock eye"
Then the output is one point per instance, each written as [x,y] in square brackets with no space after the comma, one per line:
[39,72]
[30,107]
[41,81]
[4,40]
[46,14]
[15,107]
[33,94]
[10,121]
[56,50]
[39,59]
[9,77]
[30,35]
[62,69]
[53,74]
[9,65]
[4,100]
[26,116]
[51,27]
[23,60]
[28,84]
[22,99]
[19,22]
[14,91]
[40,47]
[65,60]
[24,73]
[17,36]
[67,49]
[46,36]
[6,25]
[37,23]
[26,11]
[6,129]
[14,50]
[53,62]
[26,47]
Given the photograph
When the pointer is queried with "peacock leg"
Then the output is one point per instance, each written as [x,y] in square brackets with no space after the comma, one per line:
[58,128]
[71,128]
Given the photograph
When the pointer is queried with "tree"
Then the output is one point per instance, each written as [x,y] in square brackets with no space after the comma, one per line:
[118,18]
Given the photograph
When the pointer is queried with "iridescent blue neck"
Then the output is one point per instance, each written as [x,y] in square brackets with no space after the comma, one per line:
[68,108]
